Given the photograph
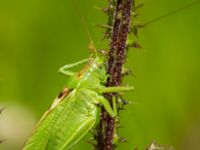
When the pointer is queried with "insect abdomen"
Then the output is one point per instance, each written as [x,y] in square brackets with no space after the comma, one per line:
[40,137]
[73,124]
[65,125]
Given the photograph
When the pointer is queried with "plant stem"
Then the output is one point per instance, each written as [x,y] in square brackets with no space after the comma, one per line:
[115,63]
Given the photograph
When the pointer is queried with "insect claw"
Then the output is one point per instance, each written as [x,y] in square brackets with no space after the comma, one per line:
[123,101]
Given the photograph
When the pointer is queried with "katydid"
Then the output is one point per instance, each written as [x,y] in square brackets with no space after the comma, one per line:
[74,111]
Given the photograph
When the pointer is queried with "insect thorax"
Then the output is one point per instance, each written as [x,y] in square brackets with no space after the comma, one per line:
[91,76]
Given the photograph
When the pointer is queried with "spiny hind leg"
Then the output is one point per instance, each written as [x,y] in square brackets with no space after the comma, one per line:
[65,69]
[115,98]
[112,111]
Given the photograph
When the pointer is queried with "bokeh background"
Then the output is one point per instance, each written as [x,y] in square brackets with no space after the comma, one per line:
[39,36]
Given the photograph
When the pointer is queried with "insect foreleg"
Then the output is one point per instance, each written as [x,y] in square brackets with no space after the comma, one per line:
[116,89]
[65,69]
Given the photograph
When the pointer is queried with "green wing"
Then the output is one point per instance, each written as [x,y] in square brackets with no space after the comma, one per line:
[64,125]
[42,133]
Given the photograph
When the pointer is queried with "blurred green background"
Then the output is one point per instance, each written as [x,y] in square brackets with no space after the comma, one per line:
[39,36]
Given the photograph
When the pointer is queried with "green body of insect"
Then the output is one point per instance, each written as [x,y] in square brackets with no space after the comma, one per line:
[74,111]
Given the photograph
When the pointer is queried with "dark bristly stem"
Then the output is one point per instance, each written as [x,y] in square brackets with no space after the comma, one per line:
[118,27]
[116,60]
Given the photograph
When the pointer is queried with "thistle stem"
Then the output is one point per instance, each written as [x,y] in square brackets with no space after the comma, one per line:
[117,53]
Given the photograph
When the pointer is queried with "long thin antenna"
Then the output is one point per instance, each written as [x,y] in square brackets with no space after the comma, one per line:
[171,13]
[91,46]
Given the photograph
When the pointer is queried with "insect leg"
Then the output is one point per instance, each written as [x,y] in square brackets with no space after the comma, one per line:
[107,106]
[65,69]
[116,89]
